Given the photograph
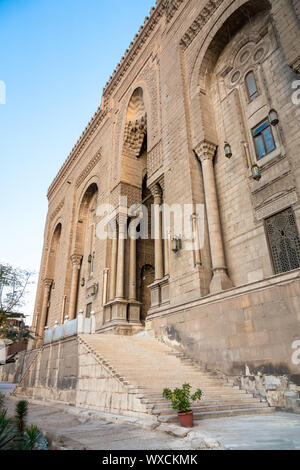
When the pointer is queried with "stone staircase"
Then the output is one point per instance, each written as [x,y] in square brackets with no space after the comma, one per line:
[146,366]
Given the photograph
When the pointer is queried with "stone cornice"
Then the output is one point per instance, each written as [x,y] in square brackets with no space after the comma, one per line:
[201,20]
[79,146]
[168,7]
[135,46]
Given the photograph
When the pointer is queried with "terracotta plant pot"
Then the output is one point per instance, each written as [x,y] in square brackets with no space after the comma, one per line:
[186,419]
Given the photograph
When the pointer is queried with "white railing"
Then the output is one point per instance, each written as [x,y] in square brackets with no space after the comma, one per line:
[71,328]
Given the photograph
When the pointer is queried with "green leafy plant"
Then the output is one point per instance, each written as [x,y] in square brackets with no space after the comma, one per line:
[181,398]
[2,397]
[15,436]
[31,439]
[7,431]
[21,415]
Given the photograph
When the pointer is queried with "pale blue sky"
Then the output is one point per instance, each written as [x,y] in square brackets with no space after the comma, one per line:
[55,58]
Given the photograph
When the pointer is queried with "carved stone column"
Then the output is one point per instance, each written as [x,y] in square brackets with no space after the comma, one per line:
[220,280]
[46,295]
[76,263]
[113,269]
[121,257]
[166,233]
[132,266]
[196,240]
[105,280]
[158,245]
[134,307]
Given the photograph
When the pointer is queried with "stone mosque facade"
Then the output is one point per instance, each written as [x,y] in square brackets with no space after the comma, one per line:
[202,110]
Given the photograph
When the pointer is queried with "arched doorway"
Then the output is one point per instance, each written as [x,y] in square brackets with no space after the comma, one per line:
[147,276]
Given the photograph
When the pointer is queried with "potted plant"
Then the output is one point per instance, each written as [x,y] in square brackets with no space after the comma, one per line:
[181,399]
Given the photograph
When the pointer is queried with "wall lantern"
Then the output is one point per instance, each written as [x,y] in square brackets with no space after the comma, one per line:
[227,150]
[175,244]
[273,117]
[89,258]
[255,171]
[82,282]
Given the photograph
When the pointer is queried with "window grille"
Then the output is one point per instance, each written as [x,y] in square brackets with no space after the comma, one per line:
[284,241]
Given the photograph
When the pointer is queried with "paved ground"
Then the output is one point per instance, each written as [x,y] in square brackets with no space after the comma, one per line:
[80,433]
[276,431]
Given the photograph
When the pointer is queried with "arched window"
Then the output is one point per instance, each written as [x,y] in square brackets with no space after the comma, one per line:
[251,86]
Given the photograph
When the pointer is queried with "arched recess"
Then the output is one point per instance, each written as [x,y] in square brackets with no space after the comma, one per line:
[135,140]
[222,32]
[216,114]
[128,256]
[50,304]
[89,197]
[83,257]
[53,251]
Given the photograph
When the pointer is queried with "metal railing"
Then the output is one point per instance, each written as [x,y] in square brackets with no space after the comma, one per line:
[79,325]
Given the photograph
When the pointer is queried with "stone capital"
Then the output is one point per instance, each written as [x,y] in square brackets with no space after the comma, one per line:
[76,259]
[205,150]
[155,190]
[48,283]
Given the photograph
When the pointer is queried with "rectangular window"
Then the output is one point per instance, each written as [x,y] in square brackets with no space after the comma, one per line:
[284,241]
[263,139]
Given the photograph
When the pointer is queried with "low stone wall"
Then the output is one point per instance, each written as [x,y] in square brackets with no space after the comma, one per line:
[249,333]
[279,391]
[13,371]
[66,371]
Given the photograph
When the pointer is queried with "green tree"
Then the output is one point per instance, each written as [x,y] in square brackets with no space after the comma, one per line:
[13,285]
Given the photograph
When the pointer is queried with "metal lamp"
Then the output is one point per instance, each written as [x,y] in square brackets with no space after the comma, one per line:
[273,117]
[255,171]
[175,244]
[227,150]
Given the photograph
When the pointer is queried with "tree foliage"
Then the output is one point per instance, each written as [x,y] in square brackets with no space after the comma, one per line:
[13,285]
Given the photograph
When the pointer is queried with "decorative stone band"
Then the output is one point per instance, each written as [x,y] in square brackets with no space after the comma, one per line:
[93,162]
[57,209]
[205,14]
[277,205]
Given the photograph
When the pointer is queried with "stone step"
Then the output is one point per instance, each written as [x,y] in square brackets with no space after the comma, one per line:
[204,403]
[219,407]
[146,367]
[150,392]
[198,416]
